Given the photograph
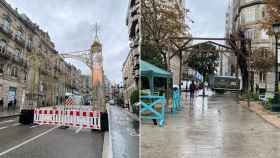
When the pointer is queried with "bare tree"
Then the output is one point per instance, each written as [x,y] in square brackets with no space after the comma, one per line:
[262,60]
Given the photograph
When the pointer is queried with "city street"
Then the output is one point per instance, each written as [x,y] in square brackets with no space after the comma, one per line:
[23,141]
[124,130]
[219,128]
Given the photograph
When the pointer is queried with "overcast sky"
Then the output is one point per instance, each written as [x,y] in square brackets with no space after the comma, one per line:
[70,24]
[208,17]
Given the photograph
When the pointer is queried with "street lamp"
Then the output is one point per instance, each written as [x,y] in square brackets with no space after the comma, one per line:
[276,31]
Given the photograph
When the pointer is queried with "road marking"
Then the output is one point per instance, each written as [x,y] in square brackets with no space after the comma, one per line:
[3,127]
[132,132]
[35,126]
[78,130]
[15,124]
[8,121]
[27,141]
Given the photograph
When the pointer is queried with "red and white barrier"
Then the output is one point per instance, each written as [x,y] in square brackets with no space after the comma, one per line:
[75,118]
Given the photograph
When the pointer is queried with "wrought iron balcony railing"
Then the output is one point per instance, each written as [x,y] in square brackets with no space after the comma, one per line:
[20,40]
[6,30]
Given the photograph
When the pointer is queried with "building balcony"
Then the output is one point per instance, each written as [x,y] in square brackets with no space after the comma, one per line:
[20,41]
[3,52]
[7,31]
[10,54]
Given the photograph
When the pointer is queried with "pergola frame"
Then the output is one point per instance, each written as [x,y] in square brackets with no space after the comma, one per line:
[184,48]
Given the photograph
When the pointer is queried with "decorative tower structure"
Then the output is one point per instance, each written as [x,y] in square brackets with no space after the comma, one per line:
[97,74]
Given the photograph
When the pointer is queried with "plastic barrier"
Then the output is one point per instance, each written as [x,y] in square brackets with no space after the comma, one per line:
[74,118]
[154,106]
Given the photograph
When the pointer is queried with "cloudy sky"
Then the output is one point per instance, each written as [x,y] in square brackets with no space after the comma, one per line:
[208,17]
[70,24]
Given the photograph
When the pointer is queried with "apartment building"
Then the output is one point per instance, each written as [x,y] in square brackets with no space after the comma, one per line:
[130,69]
[31,71]
[246,15]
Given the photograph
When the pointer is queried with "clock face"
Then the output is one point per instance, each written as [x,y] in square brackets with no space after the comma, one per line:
[96,50]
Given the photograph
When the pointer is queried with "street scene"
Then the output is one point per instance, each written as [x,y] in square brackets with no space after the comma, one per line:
[68,76]
[209,79]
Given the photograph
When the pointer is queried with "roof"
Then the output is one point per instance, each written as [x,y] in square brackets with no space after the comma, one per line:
[148,69]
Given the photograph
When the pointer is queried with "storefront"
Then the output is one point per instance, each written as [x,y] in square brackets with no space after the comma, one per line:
[12,99]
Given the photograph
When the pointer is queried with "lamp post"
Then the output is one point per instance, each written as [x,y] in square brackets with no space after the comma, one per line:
[276,31]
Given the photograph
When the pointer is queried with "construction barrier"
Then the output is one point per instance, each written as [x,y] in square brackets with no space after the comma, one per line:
[74,118]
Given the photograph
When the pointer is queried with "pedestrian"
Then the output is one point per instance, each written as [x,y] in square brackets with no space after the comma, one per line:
[187,89]
[1,104]
[257,88]
[192,91]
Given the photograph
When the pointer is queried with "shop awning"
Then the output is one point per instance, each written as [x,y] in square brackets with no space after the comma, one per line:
[150,70]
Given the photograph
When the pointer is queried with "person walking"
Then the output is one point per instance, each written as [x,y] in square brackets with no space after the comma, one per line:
[192,91]
[187,89]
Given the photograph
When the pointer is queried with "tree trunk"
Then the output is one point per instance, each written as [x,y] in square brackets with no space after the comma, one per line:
[244,71]
[203,85]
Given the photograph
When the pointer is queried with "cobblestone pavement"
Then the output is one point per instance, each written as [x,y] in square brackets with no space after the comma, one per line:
[219,128]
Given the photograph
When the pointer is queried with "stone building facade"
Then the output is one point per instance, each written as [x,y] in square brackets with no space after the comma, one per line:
[245,15]
[130,69]
[31,71]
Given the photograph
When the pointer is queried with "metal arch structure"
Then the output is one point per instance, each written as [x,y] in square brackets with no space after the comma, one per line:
[232,48]
[84,56]
[92,60]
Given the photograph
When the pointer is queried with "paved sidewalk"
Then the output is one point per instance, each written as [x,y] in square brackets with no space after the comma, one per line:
[124,133]
[5,114]
[271,117]
[217,128]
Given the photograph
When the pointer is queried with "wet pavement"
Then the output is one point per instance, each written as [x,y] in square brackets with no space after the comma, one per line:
[24,141]
[216,128]
[124,131]
[9,113]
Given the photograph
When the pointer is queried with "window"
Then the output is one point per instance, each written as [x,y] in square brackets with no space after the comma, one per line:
[249,14]
[250,34]
[19,53]
[19,34]
[1,69]
[3,43]
[6,23]
[25,75]
[14,72]
[29,42]
[262,76]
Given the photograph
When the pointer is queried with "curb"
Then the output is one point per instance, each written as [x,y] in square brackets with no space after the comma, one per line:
[260,115]
[8,116]
[107,148]
[107,143]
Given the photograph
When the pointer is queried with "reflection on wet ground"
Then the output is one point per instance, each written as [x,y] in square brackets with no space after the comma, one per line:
[213,127]
[124,133]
